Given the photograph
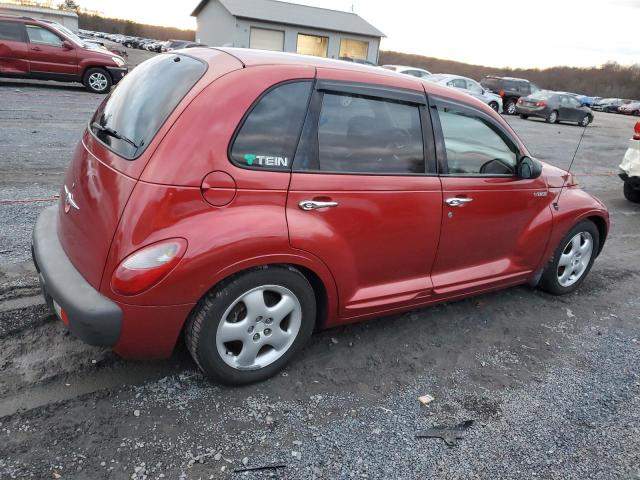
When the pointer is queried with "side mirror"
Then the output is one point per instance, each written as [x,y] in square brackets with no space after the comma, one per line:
[66,44]
[529,168]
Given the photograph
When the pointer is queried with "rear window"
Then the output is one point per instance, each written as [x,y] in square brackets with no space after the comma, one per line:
[143,100]
[490,83]
[12,31]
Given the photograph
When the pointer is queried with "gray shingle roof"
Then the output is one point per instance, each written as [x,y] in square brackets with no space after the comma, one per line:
[293,14]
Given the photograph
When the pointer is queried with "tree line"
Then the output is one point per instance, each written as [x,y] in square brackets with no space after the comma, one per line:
[608,80]
[97,23]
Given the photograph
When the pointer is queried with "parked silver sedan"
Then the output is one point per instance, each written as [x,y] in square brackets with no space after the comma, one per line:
[469,86]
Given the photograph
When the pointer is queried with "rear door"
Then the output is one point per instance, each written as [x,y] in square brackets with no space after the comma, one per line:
[47,54]
[14,54]
[494,225]
[364,197]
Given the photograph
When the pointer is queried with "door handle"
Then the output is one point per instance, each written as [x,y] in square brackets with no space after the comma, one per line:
[314,204]
[37,49]
[458,201]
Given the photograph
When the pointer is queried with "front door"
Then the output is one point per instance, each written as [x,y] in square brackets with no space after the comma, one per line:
[13,48]
[364,197]
[570,109]
[494,225]
[48,54]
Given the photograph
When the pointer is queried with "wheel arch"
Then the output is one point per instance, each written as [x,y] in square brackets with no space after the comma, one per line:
[601,225]
[317,275]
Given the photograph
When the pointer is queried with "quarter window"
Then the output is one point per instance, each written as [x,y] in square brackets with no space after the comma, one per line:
[268,136]
[474,146]
[43,36]
[363,135]
[12,31]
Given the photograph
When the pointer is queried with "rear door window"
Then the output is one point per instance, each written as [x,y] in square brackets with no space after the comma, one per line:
[269,135]
[12,31]
[136,109]
[365,135]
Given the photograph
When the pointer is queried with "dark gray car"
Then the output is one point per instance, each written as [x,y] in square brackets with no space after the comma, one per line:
[554,107]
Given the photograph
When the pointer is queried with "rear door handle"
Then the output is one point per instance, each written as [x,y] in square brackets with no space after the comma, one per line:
[458,201]
[37,49]
[314,204]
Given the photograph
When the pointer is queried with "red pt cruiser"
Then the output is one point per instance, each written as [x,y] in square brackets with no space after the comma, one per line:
[246,198]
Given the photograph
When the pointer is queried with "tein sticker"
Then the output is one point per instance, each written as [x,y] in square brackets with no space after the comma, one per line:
[266,160]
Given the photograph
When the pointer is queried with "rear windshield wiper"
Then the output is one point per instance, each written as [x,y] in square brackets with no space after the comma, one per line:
[111,132]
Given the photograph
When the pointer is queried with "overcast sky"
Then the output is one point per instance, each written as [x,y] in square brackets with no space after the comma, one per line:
[515,33]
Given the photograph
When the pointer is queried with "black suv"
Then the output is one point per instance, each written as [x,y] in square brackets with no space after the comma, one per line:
[510,89]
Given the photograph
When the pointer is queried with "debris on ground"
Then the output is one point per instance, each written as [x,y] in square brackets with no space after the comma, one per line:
[274,466]
[450,435]
[426,399]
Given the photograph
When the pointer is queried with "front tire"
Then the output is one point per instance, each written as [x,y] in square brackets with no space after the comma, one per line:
[553,117]
[630,193]
[251,326]
[494,106]
[97,80]
[572,259]
[524,117]
[586,120]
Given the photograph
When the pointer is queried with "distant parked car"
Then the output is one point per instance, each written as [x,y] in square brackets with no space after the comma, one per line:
[554,107]
[470,87]
[588,101]
[630,167]
[178,44]
[609,105]
[46,50]
[416,72]
[632,108]
[510,89]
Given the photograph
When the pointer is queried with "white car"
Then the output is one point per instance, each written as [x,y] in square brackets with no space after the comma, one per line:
[415,71]
[469,86]
[630,167]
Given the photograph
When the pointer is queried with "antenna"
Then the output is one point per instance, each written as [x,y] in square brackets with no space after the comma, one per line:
[555,204]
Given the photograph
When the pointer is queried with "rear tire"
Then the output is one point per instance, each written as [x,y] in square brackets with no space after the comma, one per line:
[97,80]
[553,117]
[630,193]
[510,107]
[570,266]
[235,354]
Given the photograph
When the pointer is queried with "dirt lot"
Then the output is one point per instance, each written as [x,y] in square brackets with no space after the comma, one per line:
[551,383]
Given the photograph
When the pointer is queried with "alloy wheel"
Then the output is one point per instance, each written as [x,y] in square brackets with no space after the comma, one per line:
[98,81]
[575,259]
[511,108]
[259,327]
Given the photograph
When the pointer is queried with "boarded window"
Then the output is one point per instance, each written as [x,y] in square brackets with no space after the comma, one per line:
[264,39]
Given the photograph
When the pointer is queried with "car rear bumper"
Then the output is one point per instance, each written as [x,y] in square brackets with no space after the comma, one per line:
[88,314]
[532,111]
[117,73]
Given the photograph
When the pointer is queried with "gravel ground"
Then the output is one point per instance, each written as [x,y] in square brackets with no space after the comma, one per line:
[551,383]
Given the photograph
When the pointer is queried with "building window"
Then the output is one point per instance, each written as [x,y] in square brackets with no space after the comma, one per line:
[351,48]
[265,39]
[312,45]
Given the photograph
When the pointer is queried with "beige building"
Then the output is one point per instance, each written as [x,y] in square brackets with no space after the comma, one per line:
[282,26]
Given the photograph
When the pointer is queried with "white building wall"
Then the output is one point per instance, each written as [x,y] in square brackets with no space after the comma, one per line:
[216,26]
[243,30]
[68,19]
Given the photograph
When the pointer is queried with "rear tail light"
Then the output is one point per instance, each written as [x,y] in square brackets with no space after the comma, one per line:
[146,267]
[541,104]
[636,131]
[501,93]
